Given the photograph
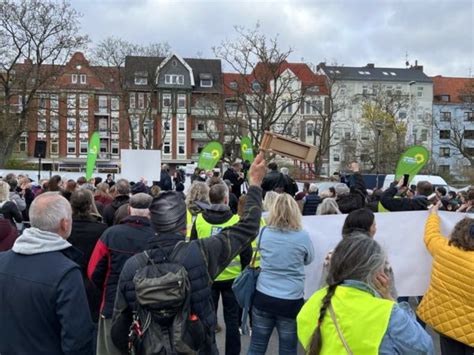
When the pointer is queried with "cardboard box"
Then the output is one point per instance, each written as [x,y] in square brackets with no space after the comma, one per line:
[288,147]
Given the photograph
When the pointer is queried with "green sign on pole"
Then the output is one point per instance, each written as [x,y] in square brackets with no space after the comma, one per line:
[412,161]
[210,155]
[247,149]
[92,154]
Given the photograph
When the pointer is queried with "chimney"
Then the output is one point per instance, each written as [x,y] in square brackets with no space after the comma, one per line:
[28,61]
[370,65]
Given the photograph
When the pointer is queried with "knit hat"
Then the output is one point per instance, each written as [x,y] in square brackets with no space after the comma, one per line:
[168,212]
[140,201]
[341,189]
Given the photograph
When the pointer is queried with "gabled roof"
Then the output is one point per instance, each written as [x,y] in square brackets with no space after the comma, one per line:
[372,73]
[455,88]
[134,64]
[186,65]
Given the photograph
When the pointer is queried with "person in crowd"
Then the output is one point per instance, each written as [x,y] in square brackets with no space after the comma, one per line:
[208,223]
[468,204]
[448,305]
[202,176]
[358,285]
[449,205]
[86,231]
[274,181]
[361,220]
[14,196]
[102,194]
[311,201]
[300,195]
[55,183]
[155,190]
[8,209]
[285,249]
[291,187]
[165,182]
[44,306]
[328,206]
[197,200]
[452,196]
[25,189]
[195,174]
[268,201]
[205,258]
[233,200]
[122,196]
[353,195]
[71,186]
[419,202]
[115,246]
[440,192]
[97,181]
[81,181]
[110,180]
[236,177]
[374,200]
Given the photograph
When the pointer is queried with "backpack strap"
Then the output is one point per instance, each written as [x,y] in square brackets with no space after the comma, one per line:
[254,257]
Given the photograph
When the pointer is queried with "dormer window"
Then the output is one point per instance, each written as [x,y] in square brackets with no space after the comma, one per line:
[74,78]
[233,85]
[83,78]
[256,86]
[141,78]
[206,80]
[174,79]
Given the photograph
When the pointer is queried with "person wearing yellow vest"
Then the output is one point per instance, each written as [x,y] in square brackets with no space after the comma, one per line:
[211,221]
[355,313]
[448,305]
[198,196]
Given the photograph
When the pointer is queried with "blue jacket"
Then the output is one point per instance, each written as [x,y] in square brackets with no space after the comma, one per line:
[311,203]
[43,304]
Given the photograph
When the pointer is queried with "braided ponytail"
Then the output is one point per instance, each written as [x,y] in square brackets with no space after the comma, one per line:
[316,341]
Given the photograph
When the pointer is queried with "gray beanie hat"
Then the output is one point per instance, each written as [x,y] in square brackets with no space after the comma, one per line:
[341,189]
[168,212]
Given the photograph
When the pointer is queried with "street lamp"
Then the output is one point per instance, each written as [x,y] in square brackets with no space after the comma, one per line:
[378,126]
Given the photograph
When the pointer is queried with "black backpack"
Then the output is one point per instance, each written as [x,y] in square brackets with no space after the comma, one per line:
[162,321]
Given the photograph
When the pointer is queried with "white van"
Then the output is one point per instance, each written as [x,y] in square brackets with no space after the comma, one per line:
[434,179]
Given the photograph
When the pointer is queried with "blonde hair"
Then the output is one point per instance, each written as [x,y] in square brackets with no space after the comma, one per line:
[199,191]
[328,206]
[269,200]
[4,191]
[285,214]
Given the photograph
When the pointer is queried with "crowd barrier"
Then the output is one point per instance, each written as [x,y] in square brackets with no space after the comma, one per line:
[400,234]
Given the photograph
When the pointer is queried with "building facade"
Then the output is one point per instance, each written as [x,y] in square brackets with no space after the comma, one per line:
[453,128]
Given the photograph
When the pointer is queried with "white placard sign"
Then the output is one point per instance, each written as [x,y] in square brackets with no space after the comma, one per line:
[400,234]
[140,163]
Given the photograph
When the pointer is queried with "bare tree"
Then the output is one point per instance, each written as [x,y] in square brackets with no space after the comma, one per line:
[112,52]
[268,96]
[42,34]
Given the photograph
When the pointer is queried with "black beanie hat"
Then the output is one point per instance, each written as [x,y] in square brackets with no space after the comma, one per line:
[168,212]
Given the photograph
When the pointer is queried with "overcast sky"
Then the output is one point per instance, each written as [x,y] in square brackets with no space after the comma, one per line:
[438,33]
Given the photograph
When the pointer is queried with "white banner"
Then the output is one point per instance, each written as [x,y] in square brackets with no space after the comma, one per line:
[141,163]
[399,233]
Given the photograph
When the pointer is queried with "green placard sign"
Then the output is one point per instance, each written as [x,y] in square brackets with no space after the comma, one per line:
[246,149]
[210,155]
[412,161]
[92,154]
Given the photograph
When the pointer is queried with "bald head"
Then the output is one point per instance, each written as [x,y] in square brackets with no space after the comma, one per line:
[52,213]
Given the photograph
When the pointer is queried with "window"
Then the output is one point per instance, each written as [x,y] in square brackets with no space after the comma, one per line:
[444,134]
[174,79]
[393,74]
[71,102]
[141,100]
[469,151]
[54,123]
[83,147]
[115,148]
[444,152]
[469,116]
[54,102]
[446,116]
[181,101]
[317,106]
[424,135]
[167,100]
[389,90]
[54,149]
[181,123]
[115,125]
[103,126]
[201,126]
[23,144]
[71,124]
[365,90]
[206,83]
[71,146]
[132,100]
[347,135]
[181,146]
[384,73]
[309,129]
[83,78]
[364,134]
[74,78]
[84,123]
[104,146]
[102,103]
[445,98]
[41,124]
[443,169]
[256,86]
[402,115]
[83,101]
[365,157]
[141,78]
[469,134]
[307,107]
[42,102]
[233,85]
[420,93]
[336,157]
[114,103]
[166,147]
[286,107]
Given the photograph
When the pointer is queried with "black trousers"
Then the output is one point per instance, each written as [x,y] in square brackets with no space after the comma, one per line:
[453,347]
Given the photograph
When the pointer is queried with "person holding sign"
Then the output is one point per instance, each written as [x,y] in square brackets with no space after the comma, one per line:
[418,203]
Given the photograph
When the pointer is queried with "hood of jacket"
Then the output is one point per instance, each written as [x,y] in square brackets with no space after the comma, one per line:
[217,213]
[35,241]
[119,201]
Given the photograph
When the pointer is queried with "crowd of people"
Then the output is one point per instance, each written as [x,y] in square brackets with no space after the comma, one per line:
[115,267]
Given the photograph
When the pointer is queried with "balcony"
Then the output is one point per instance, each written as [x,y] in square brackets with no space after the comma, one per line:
[205,135]
[204,112]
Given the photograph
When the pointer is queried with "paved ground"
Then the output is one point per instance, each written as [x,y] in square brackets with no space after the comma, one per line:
[273,345]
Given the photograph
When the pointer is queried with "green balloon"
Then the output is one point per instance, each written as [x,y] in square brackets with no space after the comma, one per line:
[210,155]
[247,149]
[94,144]
[412,161]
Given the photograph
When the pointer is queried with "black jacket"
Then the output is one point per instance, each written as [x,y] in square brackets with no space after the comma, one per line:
[84,236]
[273,180]
[11,212]
[219,214]
[109,211]
[235,179]
[165,183]
[419,203]
[47,315]
[311,203]
[204,259]
[117,244]
[356,198]
[291,187]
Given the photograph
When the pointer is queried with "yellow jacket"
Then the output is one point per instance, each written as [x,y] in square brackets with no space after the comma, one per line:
[448,305]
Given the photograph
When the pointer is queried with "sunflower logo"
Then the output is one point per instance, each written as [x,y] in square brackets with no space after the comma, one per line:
[215,154]
[244,147]
[93,149]
[419,158]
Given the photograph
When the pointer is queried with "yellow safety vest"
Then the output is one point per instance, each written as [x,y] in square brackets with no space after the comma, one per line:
[205,229]
[362,318]
[254,244]
[189,224]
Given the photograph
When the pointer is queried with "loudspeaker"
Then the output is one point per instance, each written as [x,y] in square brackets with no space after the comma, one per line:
[40,149]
